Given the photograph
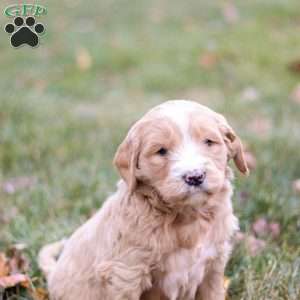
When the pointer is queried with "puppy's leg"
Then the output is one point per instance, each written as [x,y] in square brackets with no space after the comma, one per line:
[212,287]
[119,281]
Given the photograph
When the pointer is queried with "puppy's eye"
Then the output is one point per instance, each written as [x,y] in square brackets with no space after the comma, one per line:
[209,142]
[162,151]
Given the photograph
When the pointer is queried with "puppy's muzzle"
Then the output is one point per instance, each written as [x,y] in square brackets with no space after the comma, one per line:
[194,178]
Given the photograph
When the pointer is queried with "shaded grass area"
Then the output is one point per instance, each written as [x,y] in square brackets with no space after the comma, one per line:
[62,125]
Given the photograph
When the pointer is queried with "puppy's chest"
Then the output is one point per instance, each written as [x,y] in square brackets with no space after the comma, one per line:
[184,271]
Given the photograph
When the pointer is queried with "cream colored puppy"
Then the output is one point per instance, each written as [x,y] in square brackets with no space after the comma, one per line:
[165,233]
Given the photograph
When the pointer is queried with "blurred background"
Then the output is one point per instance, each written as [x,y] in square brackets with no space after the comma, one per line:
[66,105]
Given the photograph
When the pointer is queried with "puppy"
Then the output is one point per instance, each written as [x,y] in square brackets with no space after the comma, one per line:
[165,233]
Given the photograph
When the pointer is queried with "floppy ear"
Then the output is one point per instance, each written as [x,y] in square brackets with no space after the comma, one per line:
[126,160]
[235,149]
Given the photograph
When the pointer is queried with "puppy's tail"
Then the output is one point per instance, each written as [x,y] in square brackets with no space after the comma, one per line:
[48,255]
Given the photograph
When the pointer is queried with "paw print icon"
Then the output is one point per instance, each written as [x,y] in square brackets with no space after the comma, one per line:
[24,31]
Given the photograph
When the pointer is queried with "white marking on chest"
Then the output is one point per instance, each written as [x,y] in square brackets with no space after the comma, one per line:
[185,270]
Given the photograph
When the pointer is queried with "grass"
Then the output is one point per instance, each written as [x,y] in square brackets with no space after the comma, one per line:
[62,125]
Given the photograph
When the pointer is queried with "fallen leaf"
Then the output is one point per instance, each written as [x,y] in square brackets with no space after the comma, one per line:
[226,286]
[13,266]
[296,94]
[39,294]
[208,60]
[296,186]
[13,280]
[226,283]
[13,185]
[83,59]
[18,262]
[4,266]
[230,13]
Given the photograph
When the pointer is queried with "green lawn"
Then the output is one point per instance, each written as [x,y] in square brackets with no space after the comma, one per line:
[60,124]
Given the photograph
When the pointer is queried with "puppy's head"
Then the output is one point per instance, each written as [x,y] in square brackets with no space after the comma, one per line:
[180,149]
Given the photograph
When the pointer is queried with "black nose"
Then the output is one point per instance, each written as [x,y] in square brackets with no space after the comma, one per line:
[194,178]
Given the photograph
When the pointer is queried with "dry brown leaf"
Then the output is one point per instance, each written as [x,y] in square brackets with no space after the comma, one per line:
[296,186]
[4,265]
[226,283]
[12,266]
[83,59]
[230,13]
[13,280]
[208,60]
[39,294]
[226,286]
[18,183]
[18,262]
[296,94]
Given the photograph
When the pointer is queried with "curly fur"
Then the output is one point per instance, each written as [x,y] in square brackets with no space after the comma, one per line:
[156,238]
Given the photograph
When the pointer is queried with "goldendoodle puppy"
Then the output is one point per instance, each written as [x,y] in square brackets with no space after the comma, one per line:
[165,233]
